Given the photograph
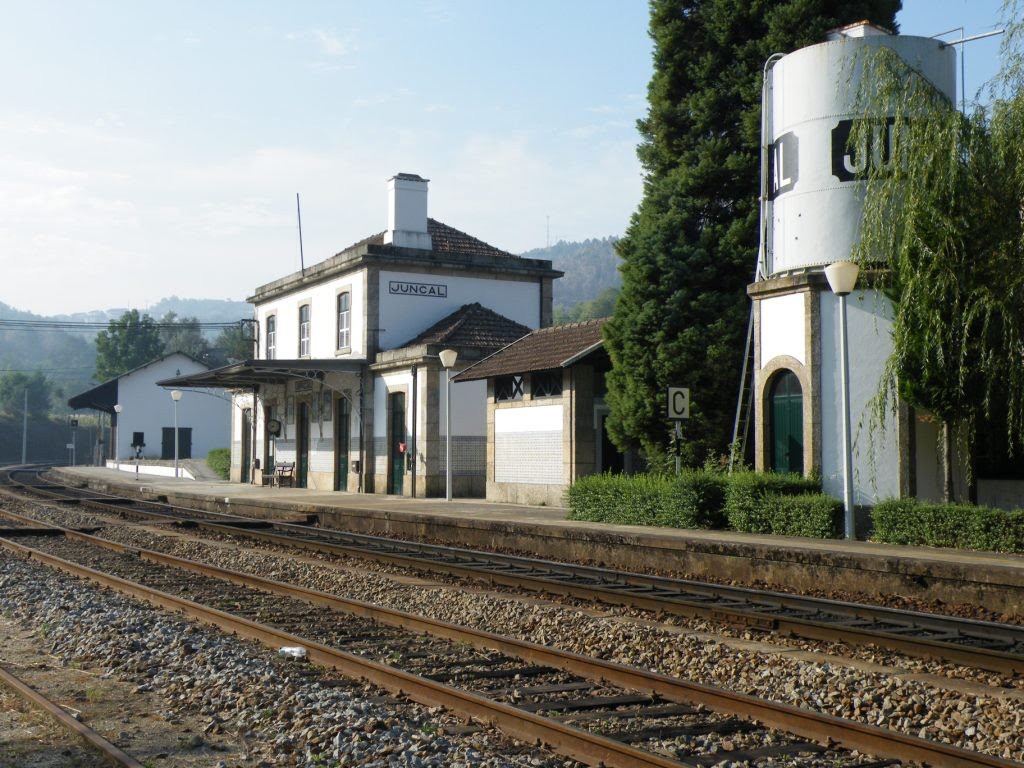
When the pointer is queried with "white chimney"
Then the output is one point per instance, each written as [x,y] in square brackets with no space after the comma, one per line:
[407,212]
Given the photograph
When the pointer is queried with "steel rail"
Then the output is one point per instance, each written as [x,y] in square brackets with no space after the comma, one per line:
[984,658]
[109,752]
[525,726]
[615,591]
[807,724]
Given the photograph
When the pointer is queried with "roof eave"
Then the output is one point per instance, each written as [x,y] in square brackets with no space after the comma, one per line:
[582,353]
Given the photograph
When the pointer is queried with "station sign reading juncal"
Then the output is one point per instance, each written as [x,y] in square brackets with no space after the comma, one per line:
[403,288]
[815,188]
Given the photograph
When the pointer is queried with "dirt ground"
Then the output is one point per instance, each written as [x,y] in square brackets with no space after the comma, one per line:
[135,722]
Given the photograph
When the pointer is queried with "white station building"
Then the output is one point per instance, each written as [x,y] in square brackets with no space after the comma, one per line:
[147,413]
[347,382]
[812,215]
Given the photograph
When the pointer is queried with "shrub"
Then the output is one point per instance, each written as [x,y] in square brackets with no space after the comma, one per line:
[965,526]
[219,460]
[694,499]
[699,498]
[746,491]
[622,499]
[808,514]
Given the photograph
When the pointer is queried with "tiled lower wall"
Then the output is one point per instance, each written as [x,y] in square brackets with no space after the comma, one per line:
[528,457]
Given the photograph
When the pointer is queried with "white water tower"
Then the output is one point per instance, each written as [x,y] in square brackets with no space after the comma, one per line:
[813,203]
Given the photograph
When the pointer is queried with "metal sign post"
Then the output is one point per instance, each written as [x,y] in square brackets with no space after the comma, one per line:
[678,409]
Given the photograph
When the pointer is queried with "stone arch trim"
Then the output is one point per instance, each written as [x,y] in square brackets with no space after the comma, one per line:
[763,386]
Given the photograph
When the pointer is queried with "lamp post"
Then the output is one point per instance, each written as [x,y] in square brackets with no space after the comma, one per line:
[175,397]
[448,357]
[842,277]
[117,434]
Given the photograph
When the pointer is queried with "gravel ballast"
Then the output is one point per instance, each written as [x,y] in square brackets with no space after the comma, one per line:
[282,712]
[990,721]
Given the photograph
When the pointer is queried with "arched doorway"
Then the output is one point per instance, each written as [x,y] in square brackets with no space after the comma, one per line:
[786,408]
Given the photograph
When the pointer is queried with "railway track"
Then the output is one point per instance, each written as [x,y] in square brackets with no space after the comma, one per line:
[593,711]
[983,645]
[105,751]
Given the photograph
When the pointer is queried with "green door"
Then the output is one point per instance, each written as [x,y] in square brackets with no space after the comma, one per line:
[246,444]
[302,446]
[341,441]
[786,406]
[396,442]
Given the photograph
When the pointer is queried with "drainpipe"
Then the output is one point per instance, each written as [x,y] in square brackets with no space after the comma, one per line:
[252,450]
[415,423]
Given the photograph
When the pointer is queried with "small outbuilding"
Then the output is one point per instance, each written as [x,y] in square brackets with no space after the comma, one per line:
[142,414]
[546,413]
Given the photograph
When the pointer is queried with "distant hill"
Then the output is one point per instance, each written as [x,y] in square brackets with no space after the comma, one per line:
[591,267]
[68,358]
[207,310]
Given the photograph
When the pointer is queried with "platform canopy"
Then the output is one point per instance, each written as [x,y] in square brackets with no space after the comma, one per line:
[100,398]
[250,373]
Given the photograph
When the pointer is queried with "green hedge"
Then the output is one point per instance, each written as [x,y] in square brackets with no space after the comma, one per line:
[962,526]
[694,499]
[744,501]
[809,514]
[745,493]
[623,499]
[219,460]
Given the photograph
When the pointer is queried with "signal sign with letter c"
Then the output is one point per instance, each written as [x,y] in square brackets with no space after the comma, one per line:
[679,402]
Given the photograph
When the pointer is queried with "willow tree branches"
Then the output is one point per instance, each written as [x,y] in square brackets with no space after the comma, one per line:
[944,215]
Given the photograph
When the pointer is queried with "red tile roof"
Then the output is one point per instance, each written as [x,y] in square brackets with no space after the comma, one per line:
[554,347]
[472,326]
[444,239]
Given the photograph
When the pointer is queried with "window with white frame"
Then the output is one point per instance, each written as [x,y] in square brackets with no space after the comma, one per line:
[304,330]
[271,337]
[344,320]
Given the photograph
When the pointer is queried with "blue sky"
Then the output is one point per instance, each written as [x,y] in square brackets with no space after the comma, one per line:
[153,149]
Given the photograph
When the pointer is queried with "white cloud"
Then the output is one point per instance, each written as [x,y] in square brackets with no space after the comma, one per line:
[332,45]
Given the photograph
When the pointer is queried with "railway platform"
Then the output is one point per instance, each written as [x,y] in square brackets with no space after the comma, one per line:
[955,577]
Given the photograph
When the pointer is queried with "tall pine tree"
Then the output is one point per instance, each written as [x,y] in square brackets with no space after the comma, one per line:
[691,247]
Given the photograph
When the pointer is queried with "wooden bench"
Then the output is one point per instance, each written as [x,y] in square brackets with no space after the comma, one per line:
[284,474]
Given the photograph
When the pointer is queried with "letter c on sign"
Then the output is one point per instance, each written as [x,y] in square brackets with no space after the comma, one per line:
[678,403]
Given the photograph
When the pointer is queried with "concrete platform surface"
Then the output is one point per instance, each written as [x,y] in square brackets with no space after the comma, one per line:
[992,580]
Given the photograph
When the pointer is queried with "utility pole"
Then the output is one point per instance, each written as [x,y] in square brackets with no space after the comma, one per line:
[24,430]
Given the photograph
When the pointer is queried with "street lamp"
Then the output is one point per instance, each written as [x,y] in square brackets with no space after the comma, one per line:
[175,396]
[842,277]
[117,434]
[448,357]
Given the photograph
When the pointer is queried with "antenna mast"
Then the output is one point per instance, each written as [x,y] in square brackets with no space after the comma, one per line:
[298,210]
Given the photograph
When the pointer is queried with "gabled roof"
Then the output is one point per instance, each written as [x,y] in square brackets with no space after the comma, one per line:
[443,239]
[472,325]
[451,248]
[104,396]
[556,347]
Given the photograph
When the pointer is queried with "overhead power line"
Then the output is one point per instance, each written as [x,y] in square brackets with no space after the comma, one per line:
[82,325]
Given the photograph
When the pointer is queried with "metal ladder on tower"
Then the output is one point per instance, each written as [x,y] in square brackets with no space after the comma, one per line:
[745,401]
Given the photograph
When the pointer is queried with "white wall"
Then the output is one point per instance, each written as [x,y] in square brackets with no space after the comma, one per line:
[869,322]
[403,316]
[322,299]
[528,445]
[783,329]
[148,408]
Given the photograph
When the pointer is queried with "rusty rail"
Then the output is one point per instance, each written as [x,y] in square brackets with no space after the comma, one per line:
[525,726]
[84,733]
